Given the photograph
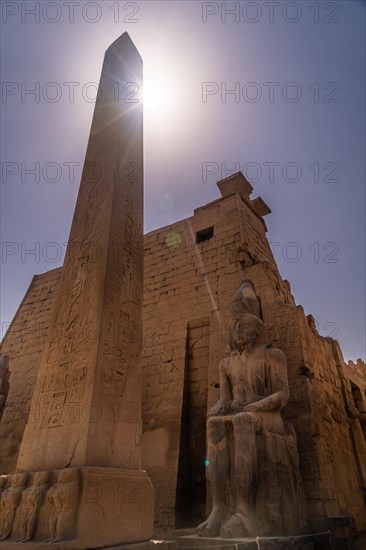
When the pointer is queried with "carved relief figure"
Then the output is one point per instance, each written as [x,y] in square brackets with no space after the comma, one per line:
[63,497]
[10,499]
[253,390]
[32,500]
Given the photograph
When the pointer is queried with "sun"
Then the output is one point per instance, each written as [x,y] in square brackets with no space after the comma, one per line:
[160,96]
[155,97]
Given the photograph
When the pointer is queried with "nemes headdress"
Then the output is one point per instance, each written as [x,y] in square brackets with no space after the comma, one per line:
[244,301]
[243,308]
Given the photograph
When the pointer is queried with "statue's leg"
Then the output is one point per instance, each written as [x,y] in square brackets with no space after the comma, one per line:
[8,524]
[23,526]
[52,525]
[242,523]
[64,512]
[217,474]
[32,524]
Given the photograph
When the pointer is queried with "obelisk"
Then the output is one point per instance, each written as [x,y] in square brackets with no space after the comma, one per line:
[85,418]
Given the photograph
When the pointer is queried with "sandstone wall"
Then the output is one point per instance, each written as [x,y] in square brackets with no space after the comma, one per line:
[23,343]
[188,282]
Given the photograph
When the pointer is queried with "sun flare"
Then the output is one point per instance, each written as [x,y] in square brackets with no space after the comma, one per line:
[160,96]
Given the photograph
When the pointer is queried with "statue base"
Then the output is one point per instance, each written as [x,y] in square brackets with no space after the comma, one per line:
[81,508]
[147,545]
[320,541]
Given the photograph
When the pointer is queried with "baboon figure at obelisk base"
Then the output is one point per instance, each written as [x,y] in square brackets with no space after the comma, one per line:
[84,427]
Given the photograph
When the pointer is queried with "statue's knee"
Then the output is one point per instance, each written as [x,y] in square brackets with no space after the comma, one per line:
[215,430]
[214,423]
[245,419]
[211,422]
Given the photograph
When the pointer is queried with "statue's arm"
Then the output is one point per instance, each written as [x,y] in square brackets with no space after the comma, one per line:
[279,384]
[223,404]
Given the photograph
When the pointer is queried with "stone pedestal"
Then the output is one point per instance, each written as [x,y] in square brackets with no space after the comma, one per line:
[87,507]
[318,541]
[147,545]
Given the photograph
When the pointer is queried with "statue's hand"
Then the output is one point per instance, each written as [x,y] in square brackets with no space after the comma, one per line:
[221,408]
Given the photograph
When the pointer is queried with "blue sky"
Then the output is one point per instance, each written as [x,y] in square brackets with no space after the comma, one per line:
[294,122]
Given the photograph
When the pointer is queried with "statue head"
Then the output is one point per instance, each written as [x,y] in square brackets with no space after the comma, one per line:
[244,300]
[244,331]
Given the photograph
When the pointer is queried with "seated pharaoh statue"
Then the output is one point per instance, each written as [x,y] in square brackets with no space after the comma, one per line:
[252,460]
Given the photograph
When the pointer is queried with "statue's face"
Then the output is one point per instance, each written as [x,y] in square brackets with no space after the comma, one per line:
[245,332]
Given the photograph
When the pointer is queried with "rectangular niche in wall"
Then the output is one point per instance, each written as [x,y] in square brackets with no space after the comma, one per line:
[204,235]
[191,483]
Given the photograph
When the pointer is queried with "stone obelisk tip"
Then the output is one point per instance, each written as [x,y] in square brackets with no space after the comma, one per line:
[123,43]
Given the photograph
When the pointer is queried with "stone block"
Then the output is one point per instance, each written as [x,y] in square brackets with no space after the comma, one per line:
[260,206]
[236,183]
[343,532]
[318,541]
[193,541]
[85,508]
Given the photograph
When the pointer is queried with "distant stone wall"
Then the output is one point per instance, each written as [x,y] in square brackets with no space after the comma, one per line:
[192,269]
[23,343]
